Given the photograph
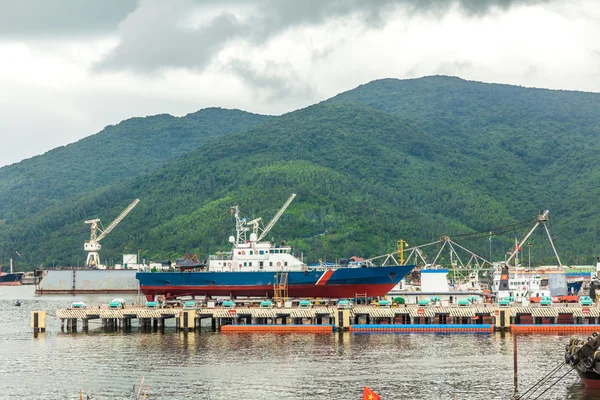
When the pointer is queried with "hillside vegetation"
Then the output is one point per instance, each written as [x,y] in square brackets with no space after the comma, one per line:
[411,159]
[119,152]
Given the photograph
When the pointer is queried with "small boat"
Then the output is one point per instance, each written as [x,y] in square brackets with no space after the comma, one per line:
[17,303]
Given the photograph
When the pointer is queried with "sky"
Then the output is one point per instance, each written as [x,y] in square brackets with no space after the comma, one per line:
[70,68]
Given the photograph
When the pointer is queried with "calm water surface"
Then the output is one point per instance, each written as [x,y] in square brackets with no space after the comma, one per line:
[205,365]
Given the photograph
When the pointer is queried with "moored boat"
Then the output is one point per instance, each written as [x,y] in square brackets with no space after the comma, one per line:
[11,279]
[584,356]
[256,268]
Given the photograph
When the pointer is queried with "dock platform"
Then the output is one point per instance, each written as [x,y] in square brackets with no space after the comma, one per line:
[484,318]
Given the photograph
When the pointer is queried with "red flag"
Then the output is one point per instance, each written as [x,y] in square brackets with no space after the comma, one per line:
[368,394]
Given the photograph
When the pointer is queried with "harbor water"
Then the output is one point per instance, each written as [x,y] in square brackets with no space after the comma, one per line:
[210,365]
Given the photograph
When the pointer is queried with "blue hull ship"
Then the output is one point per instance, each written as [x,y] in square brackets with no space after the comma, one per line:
[333,283]
[254,268]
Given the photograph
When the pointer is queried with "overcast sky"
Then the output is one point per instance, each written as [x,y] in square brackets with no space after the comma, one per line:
[69,68]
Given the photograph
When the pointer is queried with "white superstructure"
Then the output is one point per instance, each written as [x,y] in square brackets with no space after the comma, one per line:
[521,286]
[252,254]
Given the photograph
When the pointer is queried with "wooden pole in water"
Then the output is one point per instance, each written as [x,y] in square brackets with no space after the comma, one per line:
[146,392]
[515,364]
[140,389]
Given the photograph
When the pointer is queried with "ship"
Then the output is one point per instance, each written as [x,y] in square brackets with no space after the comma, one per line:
[257,268]
[584,357]
[10,279]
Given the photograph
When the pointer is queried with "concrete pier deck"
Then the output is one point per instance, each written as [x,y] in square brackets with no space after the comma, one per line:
[476,318]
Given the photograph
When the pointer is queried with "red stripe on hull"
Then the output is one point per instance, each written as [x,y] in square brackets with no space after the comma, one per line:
[331,291]
[324,278]
[591,383]
[14,283]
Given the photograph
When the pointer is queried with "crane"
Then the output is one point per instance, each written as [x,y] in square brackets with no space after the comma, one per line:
[276,217]
[541,219]
[92,246]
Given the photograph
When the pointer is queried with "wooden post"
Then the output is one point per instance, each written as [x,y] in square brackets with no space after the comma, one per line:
[515,364]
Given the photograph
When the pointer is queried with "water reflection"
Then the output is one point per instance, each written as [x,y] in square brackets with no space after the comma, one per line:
[179,365]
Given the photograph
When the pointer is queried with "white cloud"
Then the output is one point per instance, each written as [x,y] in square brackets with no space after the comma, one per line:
[178,57]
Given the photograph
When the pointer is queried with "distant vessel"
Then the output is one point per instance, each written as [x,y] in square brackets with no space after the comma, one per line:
[520,284]
[256,268]
[434,284]
[10,279]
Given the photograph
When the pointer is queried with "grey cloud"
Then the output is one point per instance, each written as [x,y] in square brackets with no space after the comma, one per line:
[153,38]
[273,81]
[147,44]
[455,68]
[57,18]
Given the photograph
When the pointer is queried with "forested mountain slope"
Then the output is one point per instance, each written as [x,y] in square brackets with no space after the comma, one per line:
[391,159]
[119,152]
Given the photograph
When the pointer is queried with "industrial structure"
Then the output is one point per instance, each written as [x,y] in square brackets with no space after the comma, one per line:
[93,246]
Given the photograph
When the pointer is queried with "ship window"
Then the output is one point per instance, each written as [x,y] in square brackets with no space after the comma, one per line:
[260,264]
[250,264]
[285,264]
[245,264]
[270,263]
[261,252]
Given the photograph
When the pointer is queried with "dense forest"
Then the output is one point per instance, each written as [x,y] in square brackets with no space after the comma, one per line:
[412,159]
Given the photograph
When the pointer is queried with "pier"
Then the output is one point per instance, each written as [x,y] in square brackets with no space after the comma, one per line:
[485,318]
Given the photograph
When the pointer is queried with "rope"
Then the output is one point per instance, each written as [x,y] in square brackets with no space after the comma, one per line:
[545,377]
[549,387]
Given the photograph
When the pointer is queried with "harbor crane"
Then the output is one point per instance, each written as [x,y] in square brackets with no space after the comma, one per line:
[541,219]
[272,223]
[242,226]
[92,246]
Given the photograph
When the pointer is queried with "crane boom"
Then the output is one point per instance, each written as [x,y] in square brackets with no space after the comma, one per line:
[276,217]
[541,219]
[118,219]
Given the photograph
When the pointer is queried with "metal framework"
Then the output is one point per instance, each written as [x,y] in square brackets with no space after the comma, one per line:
[541,219]
[92,246]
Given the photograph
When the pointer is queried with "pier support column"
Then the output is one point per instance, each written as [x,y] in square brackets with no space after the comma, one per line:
[84,324]
[155,324]
[187,320]
[343,320]
[38,321]
[213,323]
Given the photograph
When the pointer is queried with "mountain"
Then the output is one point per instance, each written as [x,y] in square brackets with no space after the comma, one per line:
[119,152]
[412,159]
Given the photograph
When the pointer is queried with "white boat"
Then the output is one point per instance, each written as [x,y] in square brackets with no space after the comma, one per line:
[434,284]
[520,284]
